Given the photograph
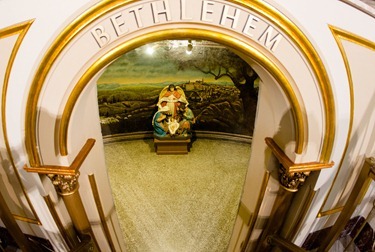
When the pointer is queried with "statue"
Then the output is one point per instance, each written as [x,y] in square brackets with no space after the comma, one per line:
[170,96]
[174,118]
[186,119]
[159,121]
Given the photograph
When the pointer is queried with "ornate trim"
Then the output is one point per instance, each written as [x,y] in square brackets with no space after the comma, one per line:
[365,177]
[21,29]
[65,184]
[340,35]
[99,207]
[264,9]
[265,61]
[254,218]
[65,178]
[71,170]
[313,59]
[292,176]
[291,167]
[292,181]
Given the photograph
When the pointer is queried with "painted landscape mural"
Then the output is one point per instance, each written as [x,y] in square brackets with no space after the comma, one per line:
[220,87]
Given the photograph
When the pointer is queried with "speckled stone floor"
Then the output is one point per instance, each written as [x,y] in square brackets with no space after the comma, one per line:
[184,203]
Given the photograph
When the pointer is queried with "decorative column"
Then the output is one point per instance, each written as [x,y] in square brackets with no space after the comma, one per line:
[291,178]
[65,180]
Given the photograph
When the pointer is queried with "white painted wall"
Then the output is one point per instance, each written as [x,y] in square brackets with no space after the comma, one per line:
[313,17]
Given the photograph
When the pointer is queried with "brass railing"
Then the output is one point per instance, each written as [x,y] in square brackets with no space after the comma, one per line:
[366,176]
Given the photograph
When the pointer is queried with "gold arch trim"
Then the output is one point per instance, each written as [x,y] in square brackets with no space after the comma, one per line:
[18,29]
[179,34]
[340,35]
[315,62]
[260,7]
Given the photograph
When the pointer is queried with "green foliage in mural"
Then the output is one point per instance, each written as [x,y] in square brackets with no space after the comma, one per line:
[219,86]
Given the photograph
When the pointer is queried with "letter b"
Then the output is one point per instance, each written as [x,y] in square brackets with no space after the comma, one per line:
[101,37]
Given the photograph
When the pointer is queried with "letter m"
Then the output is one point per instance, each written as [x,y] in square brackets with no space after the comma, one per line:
[270,41]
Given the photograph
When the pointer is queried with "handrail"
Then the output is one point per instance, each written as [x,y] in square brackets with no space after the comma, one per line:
[365,177]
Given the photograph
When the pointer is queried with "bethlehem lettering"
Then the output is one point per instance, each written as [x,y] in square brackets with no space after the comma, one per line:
[210,12]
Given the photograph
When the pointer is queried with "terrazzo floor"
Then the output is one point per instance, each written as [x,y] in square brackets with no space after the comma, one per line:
[184,203]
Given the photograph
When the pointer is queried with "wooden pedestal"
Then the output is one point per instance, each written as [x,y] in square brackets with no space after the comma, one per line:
[172,146]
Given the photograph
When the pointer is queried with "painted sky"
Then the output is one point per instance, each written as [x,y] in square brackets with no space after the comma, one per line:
[138,66]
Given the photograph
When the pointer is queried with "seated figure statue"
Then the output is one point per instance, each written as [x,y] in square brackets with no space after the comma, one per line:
[159,122]
[186,119]
[174,118]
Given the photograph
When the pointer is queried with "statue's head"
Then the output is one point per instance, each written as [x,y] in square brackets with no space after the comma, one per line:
[171,87]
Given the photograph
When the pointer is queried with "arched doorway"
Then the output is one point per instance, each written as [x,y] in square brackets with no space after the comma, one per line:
[63,129]
[174,202]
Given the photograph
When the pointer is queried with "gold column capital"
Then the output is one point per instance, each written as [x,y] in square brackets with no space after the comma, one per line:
[65,178]
[292,175]
[292,181]
[65,184]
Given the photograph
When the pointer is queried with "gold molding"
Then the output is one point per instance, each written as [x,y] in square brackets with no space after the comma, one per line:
[21,29]
[330,212]
[301,41]
[65,180]
[340,35]
[365,177]
[99,207]
[230,41]
[71,170]
[260,7]
[291,167]
[245,213]
[254,218]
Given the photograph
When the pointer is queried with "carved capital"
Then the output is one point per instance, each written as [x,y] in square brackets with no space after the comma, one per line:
[65,184]
[292,181]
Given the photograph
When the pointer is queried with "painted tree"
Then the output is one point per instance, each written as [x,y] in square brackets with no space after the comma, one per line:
[221,62]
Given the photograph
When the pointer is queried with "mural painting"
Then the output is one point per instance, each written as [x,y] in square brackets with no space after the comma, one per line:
[219,88]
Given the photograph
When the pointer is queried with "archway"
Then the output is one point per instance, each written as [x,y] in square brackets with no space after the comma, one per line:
[186,202]
[64,114]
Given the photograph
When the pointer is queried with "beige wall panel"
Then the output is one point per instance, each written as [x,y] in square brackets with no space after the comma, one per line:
[362,136]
